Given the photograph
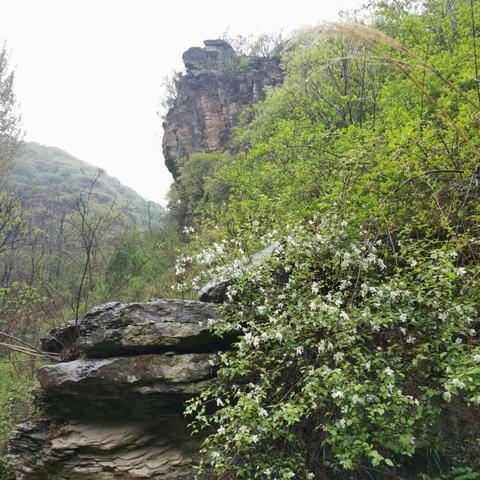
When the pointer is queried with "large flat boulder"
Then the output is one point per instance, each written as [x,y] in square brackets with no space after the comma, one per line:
[164,374]
[115,329]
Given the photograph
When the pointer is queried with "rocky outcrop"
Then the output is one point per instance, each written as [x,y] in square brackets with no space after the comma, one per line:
[118,329]
[217,86]
[115,409]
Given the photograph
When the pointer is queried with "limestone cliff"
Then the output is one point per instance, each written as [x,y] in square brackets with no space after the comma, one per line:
[217,86]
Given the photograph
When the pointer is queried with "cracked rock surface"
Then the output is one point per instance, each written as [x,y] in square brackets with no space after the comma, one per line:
[115,409]
[217,86]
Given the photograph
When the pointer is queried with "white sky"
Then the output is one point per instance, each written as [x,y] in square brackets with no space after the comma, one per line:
[89,72]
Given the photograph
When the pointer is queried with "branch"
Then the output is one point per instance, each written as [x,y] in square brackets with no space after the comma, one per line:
[428,172]
[469,283]
[27,348]
[26,351]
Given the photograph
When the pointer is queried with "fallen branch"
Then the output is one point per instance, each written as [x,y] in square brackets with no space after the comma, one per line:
[469,283]
[26,348]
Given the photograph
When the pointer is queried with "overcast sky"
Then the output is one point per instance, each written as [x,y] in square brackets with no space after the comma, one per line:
[89,72]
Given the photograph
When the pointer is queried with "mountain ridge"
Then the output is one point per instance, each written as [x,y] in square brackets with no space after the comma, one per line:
[43,172]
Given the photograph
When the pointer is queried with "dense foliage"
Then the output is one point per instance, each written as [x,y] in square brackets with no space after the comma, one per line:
[350,357]
[358,352]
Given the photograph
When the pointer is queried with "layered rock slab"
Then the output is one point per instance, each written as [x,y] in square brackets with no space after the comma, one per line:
[116,410]
[115,328]
[185,374]
[90,450]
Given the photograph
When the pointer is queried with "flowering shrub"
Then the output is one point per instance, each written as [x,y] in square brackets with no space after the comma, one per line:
[350,351]
[358,355]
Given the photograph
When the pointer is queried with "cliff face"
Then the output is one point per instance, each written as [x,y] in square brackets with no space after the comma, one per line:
[115,410]
[218,85]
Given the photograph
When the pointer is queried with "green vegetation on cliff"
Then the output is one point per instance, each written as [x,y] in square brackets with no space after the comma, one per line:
[359,356]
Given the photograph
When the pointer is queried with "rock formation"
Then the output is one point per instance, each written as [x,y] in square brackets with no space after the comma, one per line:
[217,86]
[115,410]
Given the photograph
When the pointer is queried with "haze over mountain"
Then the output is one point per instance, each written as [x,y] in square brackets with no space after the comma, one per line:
[42,173]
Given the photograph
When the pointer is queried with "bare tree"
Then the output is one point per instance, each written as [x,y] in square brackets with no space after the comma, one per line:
[95,230]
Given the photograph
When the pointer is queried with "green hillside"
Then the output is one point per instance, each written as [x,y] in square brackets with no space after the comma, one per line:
[64,230]
[42,173]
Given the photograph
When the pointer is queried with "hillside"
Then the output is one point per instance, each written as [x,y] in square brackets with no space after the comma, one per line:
[42,173]
[64,228]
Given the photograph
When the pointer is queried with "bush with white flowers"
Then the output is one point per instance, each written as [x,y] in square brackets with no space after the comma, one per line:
[350,353]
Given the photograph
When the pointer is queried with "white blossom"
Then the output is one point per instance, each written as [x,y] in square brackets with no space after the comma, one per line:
[458,383]
[337,394]
[338,357]
[248,338]
[389,372]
